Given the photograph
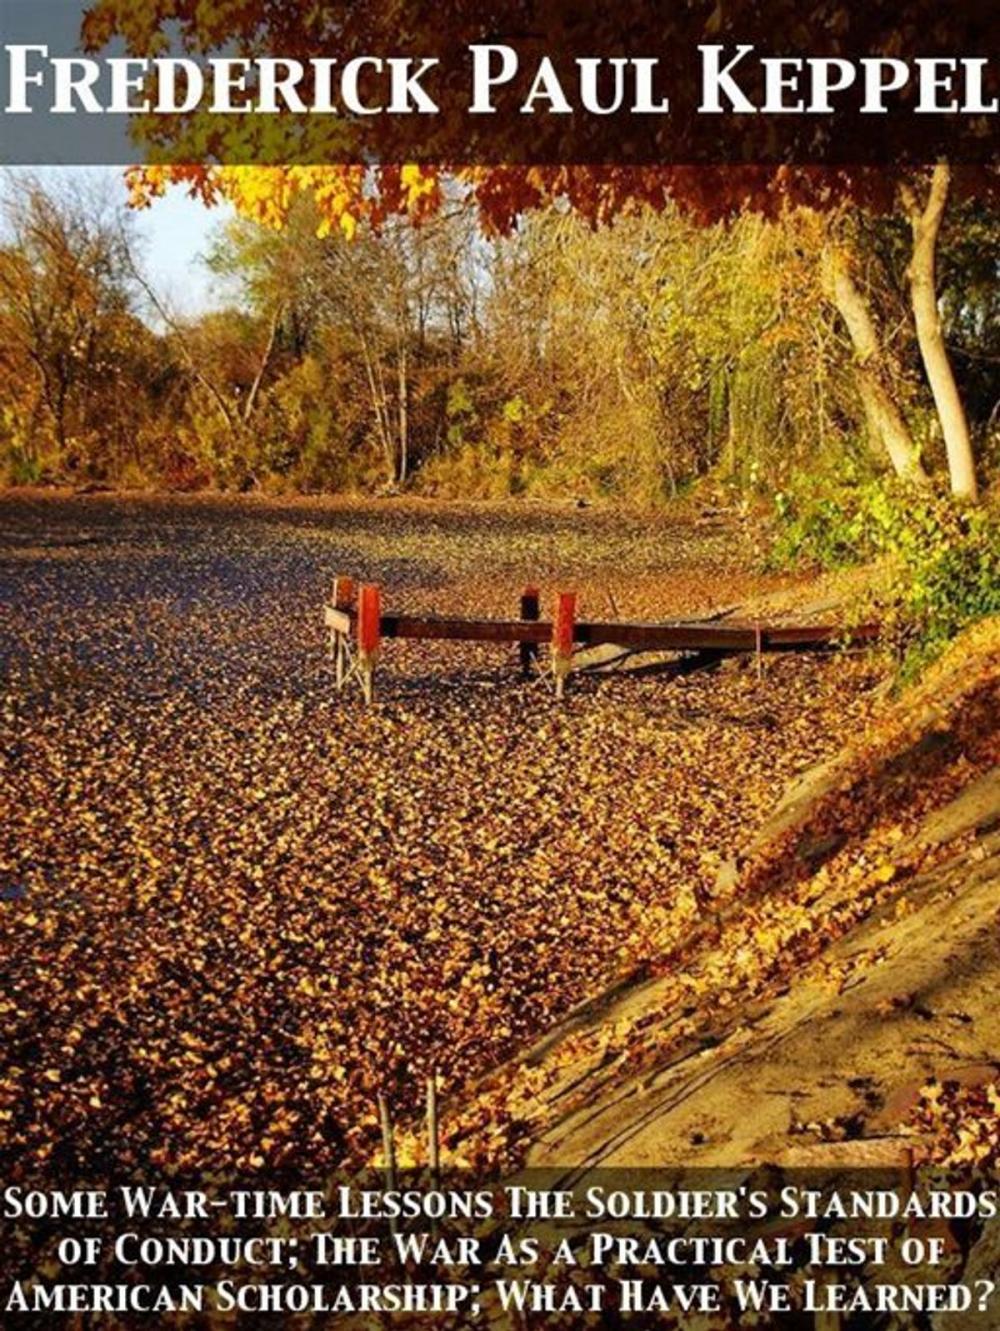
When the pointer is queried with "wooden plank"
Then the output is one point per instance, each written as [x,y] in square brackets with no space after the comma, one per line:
[681,637]
[438,628]
[694,637]
[339,620]
[805,635]
[670,637]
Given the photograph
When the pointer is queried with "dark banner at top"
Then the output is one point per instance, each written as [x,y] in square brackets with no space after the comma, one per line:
[701,82]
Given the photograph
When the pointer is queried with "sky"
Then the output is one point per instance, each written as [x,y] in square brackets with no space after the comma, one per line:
[173,235]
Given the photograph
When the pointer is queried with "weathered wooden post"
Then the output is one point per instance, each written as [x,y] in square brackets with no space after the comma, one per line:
[909,1168]
[563,633]
[388,1146]
[433,1139]
[369,636]
[530,614]
[343,593]
[342,601]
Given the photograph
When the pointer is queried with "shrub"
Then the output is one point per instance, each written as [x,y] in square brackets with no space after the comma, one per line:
[942,555]
[20,462]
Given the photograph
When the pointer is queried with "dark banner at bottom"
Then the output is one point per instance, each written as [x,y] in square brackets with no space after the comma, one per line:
[761,1247]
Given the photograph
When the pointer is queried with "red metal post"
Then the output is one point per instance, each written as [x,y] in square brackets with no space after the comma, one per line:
[369,619]
[564,627]
[563,634]
[369,635]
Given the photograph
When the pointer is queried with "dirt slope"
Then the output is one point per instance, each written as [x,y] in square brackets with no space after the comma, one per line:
[848,956]
[801,1070]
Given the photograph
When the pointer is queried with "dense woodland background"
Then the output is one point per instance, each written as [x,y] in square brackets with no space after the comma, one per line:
[772,365]
[627,361]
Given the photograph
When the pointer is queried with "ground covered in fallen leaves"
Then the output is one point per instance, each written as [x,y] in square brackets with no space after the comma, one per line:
[846,959]
[234,905]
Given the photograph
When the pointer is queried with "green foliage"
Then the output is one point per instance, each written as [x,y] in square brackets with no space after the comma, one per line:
[941,556]
[515,410]
[19,464]
[822,523]
[953,559]
[21,469]
[460,412]
[460,402]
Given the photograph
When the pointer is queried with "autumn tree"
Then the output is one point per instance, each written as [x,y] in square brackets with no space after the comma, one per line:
[66,310]
[923,198]
[398,303]
[926,215]
[347,194]
[407,297]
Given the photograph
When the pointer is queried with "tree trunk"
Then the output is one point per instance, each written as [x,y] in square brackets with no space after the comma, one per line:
[885,421]
[379,410]
[265,360]
[62,393]
[404,412]
[926,225]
